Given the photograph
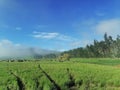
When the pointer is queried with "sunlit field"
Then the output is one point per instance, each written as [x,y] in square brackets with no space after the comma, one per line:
[77,74]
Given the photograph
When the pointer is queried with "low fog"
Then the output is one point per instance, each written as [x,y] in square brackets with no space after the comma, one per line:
[9,49]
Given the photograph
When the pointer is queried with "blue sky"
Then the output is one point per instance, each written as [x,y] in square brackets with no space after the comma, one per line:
[57,24]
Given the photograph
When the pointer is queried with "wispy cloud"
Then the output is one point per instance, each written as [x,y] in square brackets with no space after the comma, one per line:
[99,27]
[45,35]
[52,35]
[61,41]
[111,26]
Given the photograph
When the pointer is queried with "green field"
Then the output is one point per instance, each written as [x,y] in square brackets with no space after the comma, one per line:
[77,74]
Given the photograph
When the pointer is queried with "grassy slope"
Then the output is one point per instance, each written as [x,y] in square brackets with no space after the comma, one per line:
[95,74]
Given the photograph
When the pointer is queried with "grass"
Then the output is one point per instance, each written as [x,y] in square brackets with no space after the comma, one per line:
[87,74]
[99,61]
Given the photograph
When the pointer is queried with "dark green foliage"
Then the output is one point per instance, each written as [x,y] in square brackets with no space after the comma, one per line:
[104,49]
[38,85]
[71,82]
[19,81]
[56,86]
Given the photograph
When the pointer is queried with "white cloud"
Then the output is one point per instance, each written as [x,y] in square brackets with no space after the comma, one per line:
[9,49]
[99,27]
[65,38]
[45,35]
[52,35]
[112,27]
[62,42]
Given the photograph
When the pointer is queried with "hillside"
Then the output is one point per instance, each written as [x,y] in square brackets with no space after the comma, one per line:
[107,48]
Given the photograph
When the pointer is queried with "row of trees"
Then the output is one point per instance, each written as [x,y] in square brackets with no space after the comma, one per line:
[108,47]
[50,56]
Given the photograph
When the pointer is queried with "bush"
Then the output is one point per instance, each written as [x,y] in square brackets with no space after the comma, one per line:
[64,57]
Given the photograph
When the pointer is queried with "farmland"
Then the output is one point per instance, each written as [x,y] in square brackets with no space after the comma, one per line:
[76,74]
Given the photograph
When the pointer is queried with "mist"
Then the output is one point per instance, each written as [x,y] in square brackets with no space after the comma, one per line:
[11,50]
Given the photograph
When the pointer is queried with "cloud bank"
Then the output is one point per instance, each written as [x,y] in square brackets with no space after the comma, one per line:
[9,49]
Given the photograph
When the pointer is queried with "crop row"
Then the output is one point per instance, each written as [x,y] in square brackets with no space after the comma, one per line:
[58,76]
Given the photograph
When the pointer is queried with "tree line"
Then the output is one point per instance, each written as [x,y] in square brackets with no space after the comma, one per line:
[106,48]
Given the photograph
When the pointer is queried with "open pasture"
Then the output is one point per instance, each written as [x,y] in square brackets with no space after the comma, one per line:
[77,74]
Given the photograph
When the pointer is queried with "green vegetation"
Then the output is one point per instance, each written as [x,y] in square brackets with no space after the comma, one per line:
[64,57]
[76,74]
[99,61]
[107,48]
